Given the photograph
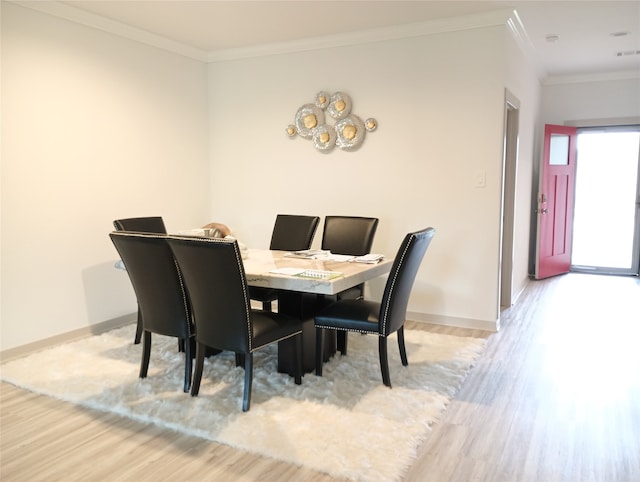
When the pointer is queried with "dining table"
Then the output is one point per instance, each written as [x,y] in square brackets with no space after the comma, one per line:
[306,283]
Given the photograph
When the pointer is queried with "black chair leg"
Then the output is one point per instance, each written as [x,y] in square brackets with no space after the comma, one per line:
[239,359]
[266,306]
[403,350]
[146,353]
[298,348]
[187,364]
[384,362]
[197,374]
[138,336]
[248,380]
[342,341]
[319,350]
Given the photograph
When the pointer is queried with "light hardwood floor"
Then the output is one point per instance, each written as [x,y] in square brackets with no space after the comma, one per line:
[554,397]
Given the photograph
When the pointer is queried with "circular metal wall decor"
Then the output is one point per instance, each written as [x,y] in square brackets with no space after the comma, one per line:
[308,118]
[322,99]
[324,137]
[350,132]
[340,106]
[347,131]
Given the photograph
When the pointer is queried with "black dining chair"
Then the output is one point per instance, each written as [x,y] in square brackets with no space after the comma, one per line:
[151,224]
[214,275]
[351,235]
[383,318]
[162,297]
[291,232]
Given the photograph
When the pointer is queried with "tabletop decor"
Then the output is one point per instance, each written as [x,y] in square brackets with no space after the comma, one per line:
[325,416]
[347,131]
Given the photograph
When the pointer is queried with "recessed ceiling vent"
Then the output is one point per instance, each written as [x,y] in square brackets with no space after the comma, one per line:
[619,34]
[626,53]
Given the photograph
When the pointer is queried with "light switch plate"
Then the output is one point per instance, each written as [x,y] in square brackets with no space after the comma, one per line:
[480,178]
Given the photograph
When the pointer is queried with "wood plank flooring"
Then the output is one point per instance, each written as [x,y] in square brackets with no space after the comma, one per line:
[554,397]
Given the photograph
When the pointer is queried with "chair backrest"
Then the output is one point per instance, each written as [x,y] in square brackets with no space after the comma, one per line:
[152,224]
[213,272]
[293,232]
[349,234]
[393,309]
[156,280]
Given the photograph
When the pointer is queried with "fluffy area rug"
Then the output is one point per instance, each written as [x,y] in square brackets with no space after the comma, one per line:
[346,423]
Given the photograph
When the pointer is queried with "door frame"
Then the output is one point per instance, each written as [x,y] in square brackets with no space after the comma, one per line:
[635,255]
[509,175]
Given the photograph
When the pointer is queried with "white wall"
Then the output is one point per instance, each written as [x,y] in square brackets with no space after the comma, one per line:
[439,103]
[97,127]
[605,97]
[94,128]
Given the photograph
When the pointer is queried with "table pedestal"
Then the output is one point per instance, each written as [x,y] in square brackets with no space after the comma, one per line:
[303,306]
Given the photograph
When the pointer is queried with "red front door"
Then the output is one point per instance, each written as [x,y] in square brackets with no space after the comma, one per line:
[555,201]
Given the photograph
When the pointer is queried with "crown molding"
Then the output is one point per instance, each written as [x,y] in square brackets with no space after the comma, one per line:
[417,29]
[88,19]
[517,30]
[452,24]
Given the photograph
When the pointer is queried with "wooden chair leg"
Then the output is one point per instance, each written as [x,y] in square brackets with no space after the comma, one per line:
[138,336]
[319,350]
[187,364]
[197,374]
[146,353]
[248,380]
[384,362]
[401,346]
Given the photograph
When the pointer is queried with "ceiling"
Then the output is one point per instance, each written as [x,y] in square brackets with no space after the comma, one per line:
[591,36]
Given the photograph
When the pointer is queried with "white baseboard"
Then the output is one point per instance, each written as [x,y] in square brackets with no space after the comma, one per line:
[95,329]
[492,326]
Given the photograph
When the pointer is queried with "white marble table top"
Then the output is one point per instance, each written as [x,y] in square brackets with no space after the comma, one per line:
[259,263]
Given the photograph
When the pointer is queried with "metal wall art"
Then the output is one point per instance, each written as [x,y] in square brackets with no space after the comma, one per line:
[329,122]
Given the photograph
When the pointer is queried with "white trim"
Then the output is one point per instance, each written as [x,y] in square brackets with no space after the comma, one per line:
[88,19]
[613,121]
[417,29]
[493,326]
[516,27]
[452,24]
[95,329]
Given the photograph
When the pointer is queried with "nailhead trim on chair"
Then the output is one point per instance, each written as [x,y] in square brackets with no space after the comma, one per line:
[393,284]
[163,236]
[244,282]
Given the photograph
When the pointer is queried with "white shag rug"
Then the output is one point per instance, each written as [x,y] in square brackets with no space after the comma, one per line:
[346,423]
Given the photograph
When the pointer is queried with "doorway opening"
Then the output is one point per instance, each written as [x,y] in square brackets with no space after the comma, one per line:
[606,230]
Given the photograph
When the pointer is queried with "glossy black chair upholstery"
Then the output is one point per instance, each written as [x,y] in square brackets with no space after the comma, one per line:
[162,297]
[351,235]
[290,233]
[214,275]
[151,224]
[384,318]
